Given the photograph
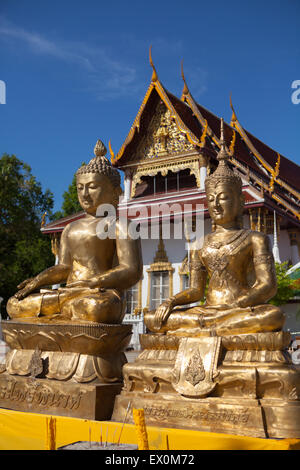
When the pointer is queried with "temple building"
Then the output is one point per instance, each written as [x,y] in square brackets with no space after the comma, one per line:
[170,148]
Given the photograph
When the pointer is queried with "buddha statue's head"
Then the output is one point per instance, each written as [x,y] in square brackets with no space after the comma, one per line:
[98,182]
[224,192]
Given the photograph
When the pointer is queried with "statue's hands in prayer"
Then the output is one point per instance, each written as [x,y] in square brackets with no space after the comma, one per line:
[163,312]
[26,287]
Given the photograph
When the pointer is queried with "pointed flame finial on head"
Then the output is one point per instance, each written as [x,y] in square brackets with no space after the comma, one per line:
[222,142]
[100,165]
[154,77]
[222,155]
[100,149]
[185,87]
[223,173]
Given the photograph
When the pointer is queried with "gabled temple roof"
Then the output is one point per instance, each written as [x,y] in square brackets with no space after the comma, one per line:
[264,167]
[274,178]
[255,153]
[182,114]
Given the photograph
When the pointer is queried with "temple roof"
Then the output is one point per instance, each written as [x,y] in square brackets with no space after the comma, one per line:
[59,224]
[274,178]
[265,168]
[185,120]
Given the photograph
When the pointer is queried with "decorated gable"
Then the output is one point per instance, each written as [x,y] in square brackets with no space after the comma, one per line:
[163,137]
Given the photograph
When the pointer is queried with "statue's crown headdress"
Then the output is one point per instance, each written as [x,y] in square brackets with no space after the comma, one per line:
[101,165]
[223,173]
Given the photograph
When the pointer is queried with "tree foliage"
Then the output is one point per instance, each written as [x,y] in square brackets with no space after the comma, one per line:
[24,251]
[70,203]
[285,285]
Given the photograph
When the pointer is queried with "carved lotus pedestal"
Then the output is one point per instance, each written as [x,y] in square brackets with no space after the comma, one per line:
[63,369]
[242,384]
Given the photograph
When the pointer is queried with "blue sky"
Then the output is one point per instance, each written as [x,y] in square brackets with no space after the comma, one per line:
[76,71]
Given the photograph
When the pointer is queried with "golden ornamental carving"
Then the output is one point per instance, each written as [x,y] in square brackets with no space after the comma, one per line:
[195,371]
[232,143]
[36,363]
[152,169]
[163,137]
[160,261]
[275,173]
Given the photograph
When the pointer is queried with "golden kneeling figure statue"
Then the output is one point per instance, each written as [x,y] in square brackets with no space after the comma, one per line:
[240,266]
[222,366]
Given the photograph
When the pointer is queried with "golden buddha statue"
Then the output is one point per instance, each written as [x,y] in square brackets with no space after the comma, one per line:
[67,344]
[240,266]
[95,269]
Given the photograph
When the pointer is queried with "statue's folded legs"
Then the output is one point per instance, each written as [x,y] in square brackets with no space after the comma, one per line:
[83,304]
[71,341]
[203,320]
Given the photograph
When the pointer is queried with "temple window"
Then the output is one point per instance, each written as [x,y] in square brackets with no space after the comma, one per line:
[133,299]
[173,181]
[160,288]
[160,277]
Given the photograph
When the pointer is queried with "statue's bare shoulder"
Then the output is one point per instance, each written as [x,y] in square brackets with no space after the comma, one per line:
[260,242]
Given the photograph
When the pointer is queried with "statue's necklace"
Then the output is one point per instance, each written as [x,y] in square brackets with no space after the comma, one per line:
[217,245]
[217,263]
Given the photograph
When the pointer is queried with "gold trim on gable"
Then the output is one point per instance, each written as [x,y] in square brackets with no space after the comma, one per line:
[155,84]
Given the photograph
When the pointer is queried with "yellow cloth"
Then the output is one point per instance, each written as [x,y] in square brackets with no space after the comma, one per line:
[32,431]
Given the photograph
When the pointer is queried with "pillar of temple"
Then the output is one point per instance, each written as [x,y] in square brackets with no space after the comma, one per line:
[293,234]
[275,244]
[127,187]
[55,242]
[203,170]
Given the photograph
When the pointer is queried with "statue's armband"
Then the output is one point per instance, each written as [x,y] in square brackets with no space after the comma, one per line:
[197,266]
[265,258]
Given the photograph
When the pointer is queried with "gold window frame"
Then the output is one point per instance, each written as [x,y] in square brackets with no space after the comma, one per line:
[138,309]
[159,267]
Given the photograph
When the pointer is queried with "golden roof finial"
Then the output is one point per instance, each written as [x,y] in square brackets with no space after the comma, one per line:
[233,117]
[111,151]
[185,90]
[43,219]
[160,255]
[154,77]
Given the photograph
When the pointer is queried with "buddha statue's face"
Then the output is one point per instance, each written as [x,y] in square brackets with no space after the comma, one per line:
[224,203]
[93,190]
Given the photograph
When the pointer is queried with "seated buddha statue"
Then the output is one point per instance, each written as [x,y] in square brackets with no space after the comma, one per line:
[96,269]
[240,267]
